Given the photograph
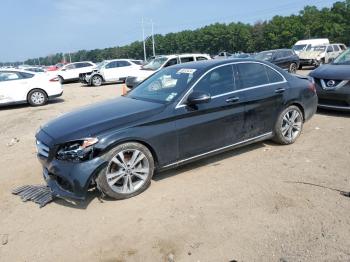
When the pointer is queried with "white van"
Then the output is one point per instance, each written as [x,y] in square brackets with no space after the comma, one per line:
[306,45]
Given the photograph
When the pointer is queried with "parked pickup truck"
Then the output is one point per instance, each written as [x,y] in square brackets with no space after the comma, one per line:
[322,54]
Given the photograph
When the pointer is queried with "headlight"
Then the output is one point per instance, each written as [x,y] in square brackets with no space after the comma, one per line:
[77,151]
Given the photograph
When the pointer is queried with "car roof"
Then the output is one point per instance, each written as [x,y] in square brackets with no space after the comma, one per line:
[16,70]
[277,50]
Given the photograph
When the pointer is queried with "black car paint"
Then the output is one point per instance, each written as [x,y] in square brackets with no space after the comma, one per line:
[174,135]
[333,98]
[284,62]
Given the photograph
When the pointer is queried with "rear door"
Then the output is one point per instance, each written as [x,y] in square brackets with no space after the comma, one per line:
[262,87]
[213,125]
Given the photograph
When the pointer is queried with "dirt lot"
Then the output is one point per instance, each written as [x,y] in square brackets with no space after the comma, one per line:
[243,205]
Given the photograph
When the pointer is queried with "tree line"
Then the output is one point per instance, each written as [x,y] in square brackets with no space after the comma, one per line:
[279,32]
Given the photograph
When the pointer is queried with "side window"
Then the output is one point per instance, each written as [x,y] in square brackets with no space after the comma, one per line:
[342,47]
[278,55]
[26,75]
[201,58]
[123,63]
[171,62]
[69,67]
[8,76]
[216,82]
[187,59]
[113,64]
[252,74]
[273,76]
[329,49]
[336,48]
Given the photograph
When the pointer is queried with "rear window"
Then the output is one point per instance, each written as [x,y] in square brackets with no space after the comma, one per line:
[201,58]
[26,75]
[186,59]
[137,62]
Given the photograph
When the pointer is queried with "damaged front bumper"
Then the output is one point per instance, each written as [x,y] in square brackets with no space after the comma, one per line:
[69,179]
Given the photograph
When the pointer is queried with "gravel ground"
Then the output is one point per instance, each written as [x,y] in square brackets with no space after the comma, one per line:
[245,205]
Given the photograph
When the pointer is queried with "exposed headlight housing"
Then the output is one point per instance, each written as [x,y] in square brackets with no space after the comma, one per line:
[78,150]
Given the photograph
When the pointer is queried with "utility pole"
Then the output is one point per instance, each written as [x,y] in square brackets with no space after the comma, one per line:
[143,39]
[70,58]
[154,49]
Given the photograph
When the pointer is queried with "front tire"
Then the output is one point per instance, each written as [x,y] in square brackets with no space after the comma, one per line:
[288,126]
[96,80]
[37,97]
[128,172]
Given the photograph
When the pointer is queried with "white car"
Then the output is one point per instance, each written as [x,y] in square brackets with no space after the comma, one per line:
[70,72]
[306,45]
[160,62]
[19,86]
[110,71]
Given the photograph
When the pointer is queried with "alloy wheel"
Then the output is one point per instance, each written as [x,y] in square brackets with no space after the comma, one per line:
[293,68]
[127,171]
[37,98]
[291,124]
[96,81]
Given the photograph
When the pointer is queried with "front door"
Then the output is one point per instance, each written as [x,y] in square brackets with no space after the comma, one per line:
[213,125]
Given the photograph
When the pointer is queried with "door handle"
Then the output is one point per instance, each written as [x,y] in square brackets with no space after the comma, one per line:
[232,99]
[280,90]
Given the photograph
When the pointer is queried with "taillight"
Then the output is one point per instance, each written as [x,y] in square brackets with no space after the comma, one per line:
[55,79]
[312,85]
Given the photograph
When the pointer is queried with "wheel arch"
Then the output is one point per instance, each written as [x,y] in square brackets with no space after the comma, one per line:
[36,88]
[300,106]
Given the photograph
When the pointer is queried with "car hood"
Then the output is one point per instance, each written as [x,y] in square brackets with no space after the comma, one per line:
[92,120]
[309,54]
[333,72]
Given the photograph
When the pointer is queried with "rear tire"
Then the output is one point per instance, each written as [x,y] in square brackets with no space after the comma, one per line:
[288,126]
[128,173]
[293,68]
[60,78]
[37,97]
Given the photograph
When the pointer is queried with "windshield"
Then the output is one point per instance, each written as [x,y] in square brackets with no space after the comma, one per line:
[320,48]
[264,56]
[299,47]
[102,64]
[164,86]
[155,63]
[343,59]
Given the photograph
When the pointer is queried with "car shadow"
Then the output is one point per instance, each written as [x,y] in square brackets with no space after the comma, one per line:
[94,193]
[213,160]
[20,106]
[333,113]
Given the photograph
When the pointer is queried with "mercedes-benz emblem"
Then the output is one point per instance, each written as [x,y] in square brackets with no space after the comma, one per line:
[331,83]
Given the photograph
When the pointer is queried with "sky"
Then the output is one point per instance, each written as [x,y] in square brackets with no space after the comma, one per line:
[33,28]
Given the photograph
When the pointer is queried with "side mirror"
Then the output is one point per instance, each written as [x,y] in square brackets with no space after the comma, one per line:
[198,97]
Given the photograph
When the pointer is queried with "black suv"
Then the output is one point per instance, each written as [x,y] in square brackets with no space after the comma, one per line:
[284,58]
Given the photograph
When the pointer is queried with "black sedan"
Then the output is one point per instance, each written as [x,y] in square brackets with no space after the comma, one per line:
[333,83]
[284,58]
[180,114]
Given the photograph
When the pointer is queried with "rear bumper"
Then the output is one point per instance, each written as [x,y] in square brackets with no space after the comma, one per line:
[131,82]
[55,96]
[308,62]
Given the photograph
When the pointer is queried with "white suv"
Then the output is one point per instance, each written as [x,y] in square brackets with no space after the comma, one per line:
[70,72]
[160,62]
[110,71]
